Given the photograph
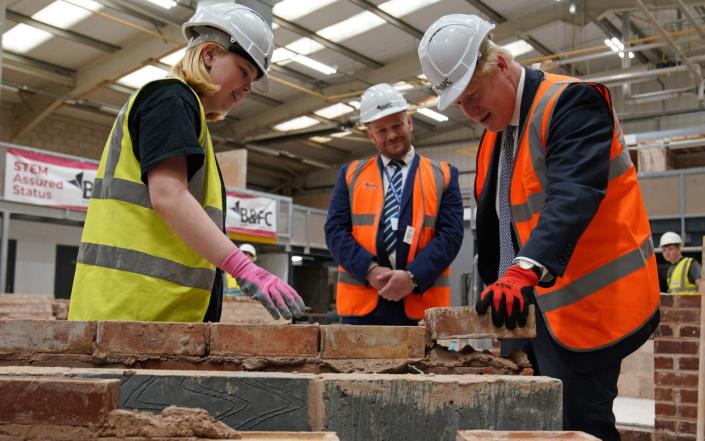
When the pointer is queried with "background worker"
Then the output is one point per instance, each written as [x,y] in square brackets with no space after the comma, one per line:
[153,244]
[684,274]
[395,222]
[231,286]
[560,215]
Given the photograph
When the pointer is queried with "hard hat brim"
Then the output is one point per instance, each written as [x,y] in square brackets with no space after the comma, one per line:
[384,113]
[263,83]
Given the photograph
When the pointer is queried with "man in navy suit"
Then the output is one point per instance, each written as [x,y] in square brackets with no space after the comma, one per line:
[395,222]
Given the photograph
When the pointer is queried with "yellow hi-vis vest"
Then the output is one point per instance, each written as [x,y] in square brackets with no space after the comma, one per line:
[131,265]
[678,281]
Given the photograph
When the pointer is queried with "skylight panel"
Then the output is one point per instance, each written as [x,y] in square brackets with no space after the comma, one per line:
[142,76]
[173,57]
[166,4]
[519,47]
[320,139]
[401,86]
[304,46]
[334,111]
[64,15]
[293,9]
[282,54]
[23,38]
[432,114]
[399,8]
[355,25]
[315,65]
[301,122]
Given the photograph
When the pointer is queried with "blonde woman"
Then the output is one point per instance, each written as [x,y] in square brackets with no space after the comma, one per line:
[153,244]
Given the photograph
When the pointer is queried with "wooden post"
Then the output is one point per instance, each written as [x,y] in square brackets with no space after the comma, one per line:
[701,362]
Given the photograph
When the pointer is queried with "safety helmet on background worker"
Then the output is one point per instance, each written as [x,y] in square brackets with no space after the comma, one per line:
[448,53]
[379,101]
[249,249]
[234,27]
[670,238]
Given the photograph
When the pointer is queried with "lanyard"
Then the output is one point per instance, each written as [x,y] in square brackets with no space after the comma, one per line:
[391,185]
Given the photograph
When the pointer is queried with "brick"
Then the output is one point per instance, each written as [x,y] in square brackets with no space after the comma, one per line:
[689,331]
[663,362]
[634,433]
[464,322]
[667,347]
[264,340]
[149,338]
[491,435]
[666,301]
[688,301]
[685,411]
[359,342]
[676,379]
[664,330]
[665,425]
[663,394]
[689,347]
[664,409]
[689,427]
[680,316]
[688,363]
[65,401]
[688,396]
[46,336]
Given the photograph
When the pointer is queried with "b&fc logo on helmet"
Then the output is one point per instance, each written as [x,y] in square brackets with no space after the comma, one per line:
[446,83]
[384,106]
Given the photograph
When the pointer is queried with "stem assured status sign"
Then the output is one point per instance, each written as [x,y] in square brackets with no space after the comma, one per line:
[41,179]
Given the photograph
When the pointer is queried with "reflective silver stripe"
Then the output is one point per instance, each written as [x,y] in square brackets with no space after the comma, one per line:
[141,263]
[429,221]
[534,203]
[353,179]
[538,156]
[122,190]
[363,220]
[216,216]
[439,179]
[597,279]
[620,164]
[442,282]
[115,143]
[344,277]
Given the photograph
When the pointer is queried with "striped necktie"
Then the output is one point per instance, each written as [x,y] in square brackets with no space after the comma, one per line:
[506,244]
[391,204]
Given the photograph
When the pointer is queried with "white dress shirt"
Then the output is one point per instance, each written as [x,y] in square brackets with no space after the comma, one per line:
[404,172]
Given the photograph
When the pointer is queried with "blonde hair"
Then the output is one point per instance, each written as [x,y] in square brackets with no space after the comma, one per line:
[487,61]
[192,69]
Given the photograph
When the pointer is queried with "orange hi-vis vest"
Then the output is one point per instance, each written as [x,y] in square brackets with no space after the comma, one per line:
[610,286]
[366,190]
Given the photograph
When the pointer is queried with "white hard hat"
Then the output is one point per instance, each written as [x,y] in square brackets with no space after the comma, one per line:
[379,101]
[448,53]
[670,238]
[248,248]
[230,23]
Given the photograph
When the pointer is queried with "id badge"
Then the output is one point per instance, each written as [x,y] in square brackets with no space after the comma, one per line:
[395,223]
[409,234]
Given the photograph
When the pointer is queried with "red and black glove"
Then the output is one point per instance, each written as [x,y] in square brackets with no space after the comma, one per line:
[509,297]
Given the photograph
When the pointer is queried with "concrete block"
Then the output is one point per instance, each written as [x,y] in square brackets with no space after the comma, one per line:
[46,400]
[46,336]
[428,407]
[148,338]
[359,342]
[464,322]
[487,435]
[264,340]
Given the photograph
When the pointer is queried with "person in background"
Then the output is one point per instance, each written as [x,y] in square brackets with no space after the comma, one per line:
[231,286]
[153,245]
[395,222]
[684,275]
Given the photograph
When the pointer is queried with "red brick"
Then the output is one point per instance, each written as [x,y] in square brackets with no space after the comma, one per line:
[60,401]
[464,322]
[667,347]
[688,363]
[687,301]
[492,435]
[685,411]
[689,347]
[664,330]
[665,409]
[666,301]
[676,379]
[666,425]
[680,316]
[687,427]
[663,362]
[689,331]
[46,336]
[264,340]
[663,394]
[346,341]
[688,396]
[117,337]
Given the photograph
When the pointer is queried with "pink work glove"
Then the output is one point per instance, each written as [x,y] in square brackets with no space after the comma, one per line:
[276,296]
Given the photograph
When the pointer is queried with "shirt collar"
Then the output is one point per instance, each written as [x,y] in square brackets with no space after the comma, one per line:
[517,101]
[407,158]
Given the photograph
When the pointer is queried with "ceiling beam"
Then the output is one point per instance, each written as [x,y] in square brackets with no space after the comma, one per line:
[300,76]
[392,20]
[353,55]
[63,33]
[39,69]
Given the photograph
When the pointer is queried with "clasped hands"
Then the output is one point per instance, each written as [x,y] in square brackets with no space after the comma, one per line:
[391,284]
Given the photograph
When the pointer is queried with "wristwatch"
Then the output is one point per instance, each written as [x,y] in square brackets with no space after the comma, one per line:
[523,264]
[412,279]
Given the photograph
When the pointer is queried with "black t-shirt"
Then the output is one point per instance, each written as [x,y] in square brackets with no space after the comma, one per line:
[164,123]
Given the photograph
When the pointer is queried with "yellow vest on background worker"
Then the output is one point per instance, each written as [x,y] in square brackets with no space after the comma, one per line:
[231,286]
[131,264]
[613,266]
[678,280]
[364,183]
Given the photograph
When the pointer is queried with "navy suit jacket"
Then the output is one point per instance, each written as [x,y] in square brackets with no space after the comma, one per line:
[429,263]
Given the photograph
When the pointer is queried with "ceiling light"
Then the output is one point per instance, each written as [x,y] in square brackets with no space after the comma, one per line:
[631,54]
[399,8]
[281,54]
[293,9]
[355,104]
[23,38]
[315,65]
[334,111]
[166,4]
[297,123]
[304,46]
[341,134]
[296,259]
[355,25]
[519,47]
[173,57]
[64,15]
[422,77]
[401,86]
[142,76]
[432,114]
[320,139]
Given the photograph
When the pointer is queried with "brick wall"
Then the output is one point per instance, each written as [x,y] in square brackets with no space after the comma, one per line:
[32,307]
[676,368]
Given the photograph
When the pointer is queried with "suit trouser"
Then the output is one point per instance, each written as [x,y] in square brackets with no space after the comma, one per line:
[588,391]
[386,313]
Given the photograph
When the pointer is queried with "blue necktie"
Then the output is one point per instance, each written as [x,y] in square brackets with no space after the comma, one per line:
[391,204]
[506,245]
